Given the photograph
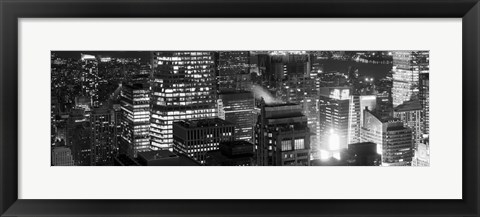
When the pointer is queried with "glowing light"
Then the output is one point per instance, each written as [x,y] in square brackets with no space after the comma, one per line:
[333,141]
[336,155]
[324,155]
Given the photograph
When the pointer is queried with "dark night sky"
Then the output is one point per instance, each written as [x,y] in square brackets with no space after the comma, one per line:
[145,55]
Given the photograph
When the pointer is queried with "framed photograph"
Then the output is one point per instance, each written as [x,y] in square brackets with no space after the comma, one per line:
[239,108]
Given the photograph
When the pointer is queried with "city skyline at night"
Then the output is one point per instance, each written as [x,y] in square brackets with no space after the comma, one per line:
[240,108]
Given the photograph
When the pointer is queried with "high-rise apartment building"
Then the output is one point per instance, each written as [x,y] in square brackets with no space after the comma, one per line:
[183,87]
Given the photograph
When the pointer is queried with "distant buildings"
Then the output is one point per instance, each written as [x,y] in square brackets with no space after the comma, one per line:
[90,78]
[282,137]
[183,87]
[194,138]
[394,141]
[234,71]
[407,66]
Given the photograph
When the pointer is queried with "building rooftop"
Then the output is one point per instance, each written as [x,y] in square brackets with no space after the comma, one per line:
[409,106]
[155,155]
[164,158]
[211,122]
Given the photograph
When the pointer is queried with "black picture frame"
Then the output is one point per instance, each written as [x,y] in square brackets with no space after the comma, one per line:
[12,10]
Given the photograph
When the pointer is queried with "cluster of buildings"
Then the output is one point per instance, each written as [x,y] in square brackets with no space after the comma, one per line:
[238,108]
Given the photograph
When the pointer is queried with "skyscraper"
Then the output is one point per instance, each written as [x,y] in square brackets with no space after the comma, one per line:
[407,65]
[135,104]
[394,141]
[78,137]
[282,137]
[334,106]
[90,78]
[233,71]
[182,88]
[237,108]
[103,146]
[358,103]
[424,98]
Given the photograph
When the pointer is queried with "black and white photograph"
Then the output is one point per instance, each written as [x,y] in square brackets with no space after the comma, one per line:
[240,108]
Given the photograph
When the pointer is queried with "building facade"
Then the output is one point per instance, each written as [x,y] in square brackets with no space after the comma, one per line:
[194,138]
[394,141]
[411,114]
[334,111]
[183,87]
[407,66]
[237,108]
[135,105]
[282,136]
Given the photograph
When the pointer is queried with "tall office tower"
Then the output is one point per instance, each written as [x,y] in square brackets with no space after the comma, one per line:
[62,156]
[182,88]
[103,146]
[237,108]
[411,113]
[394,141]
[90,78]
[233,71]
[424,98]
[358,103]
[334,106]
[79,137]
[407,65]
[194,138]
[282,137]
[135,104]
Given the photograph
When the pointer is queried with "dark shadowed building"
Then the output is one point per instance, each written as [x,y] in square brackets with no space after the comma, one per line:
[164,158]
[197,137]
[282,136]
[233,153]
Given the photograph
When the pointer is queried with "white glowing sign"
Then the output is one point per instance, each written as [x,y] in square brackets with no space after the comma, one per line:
[340,94]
